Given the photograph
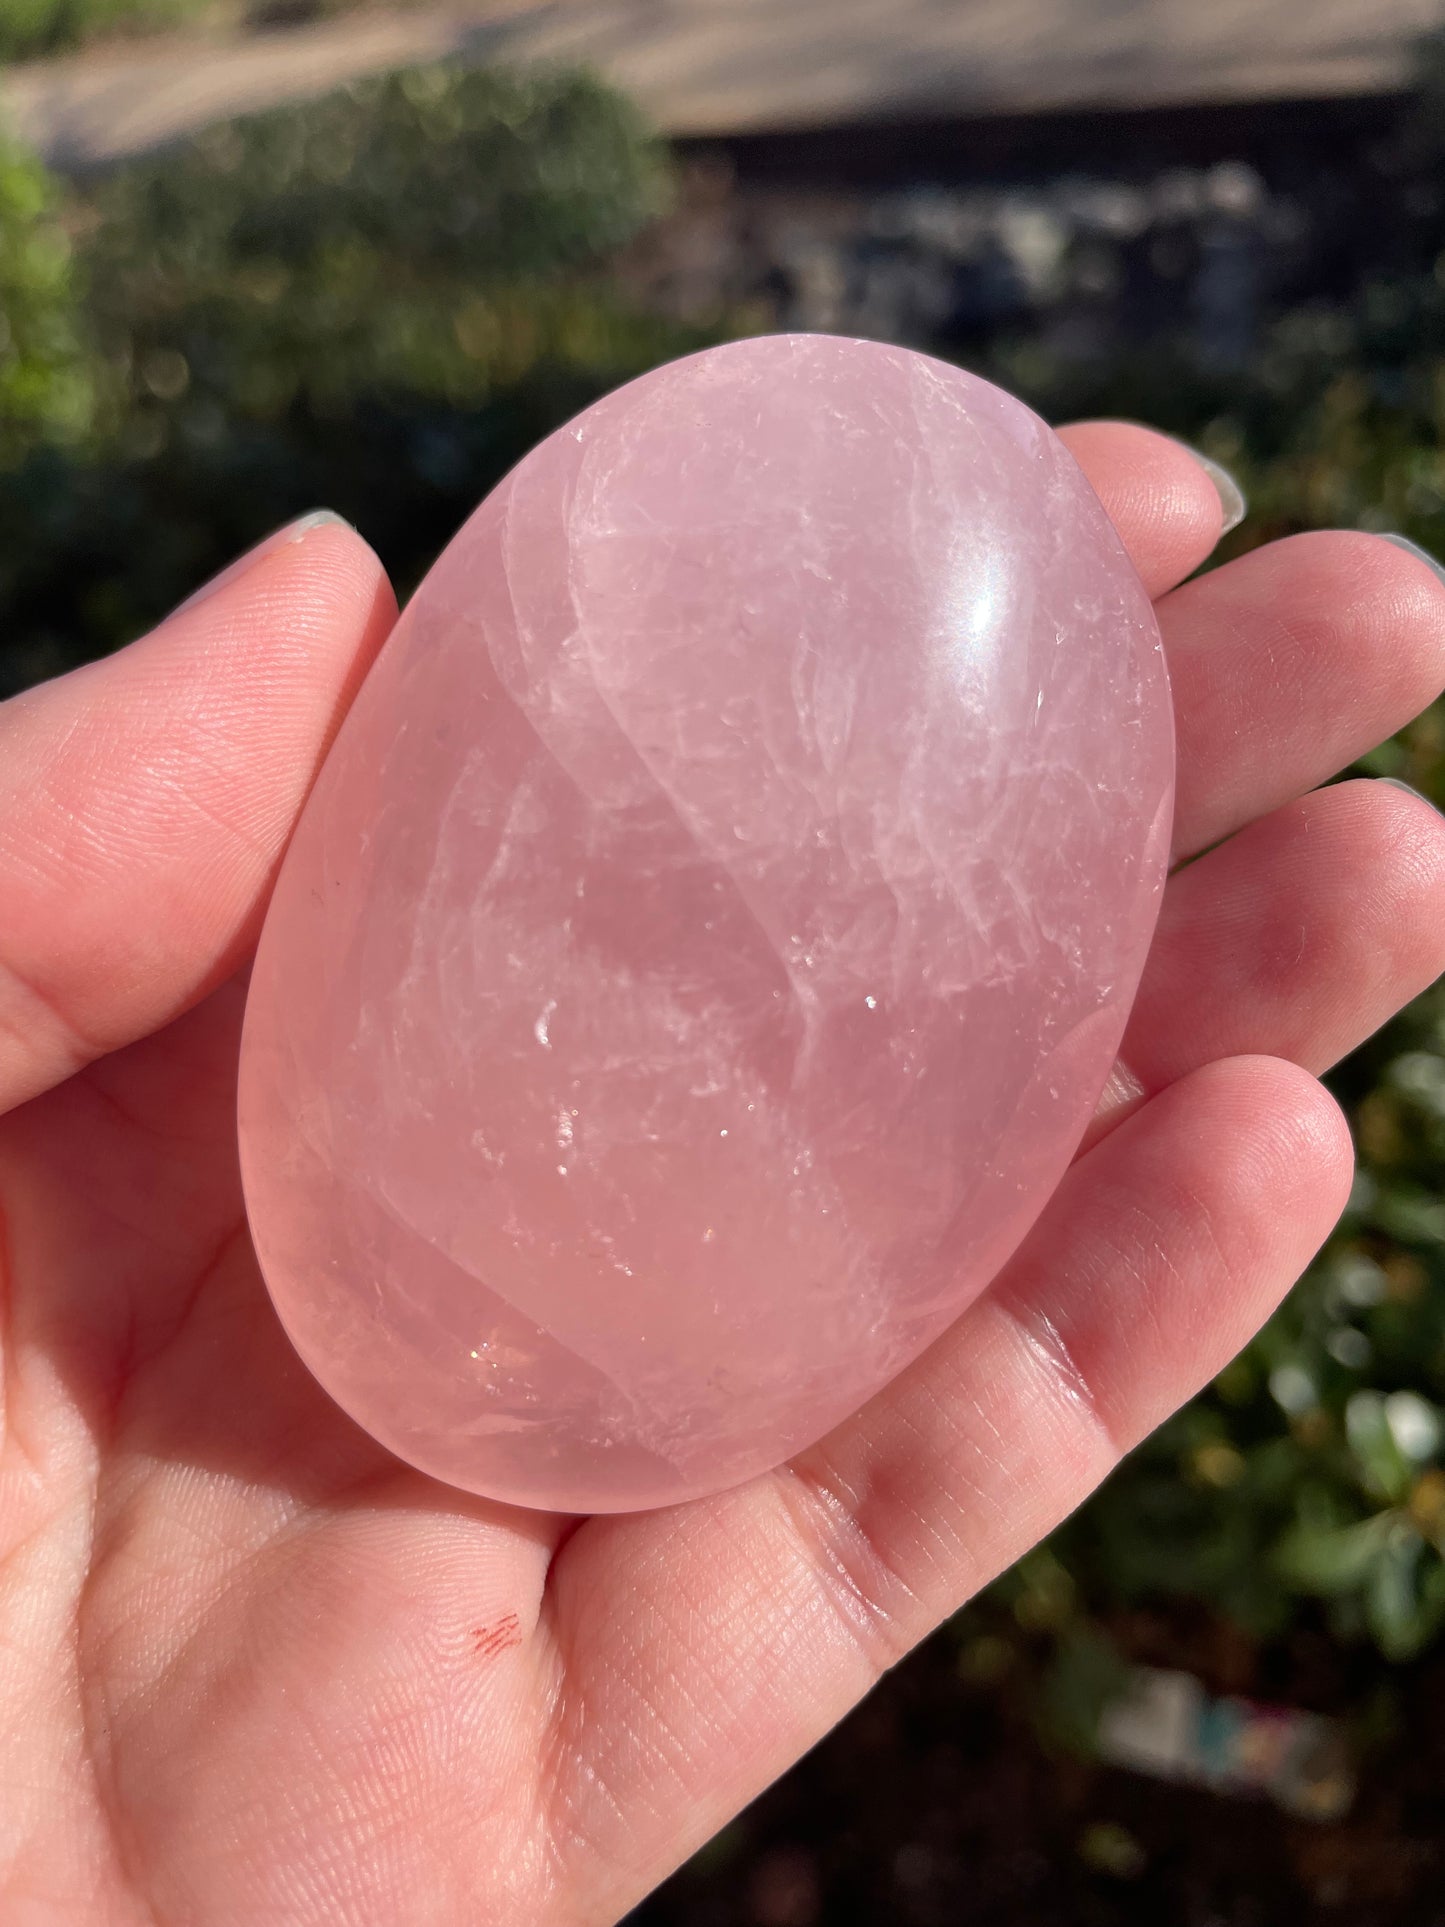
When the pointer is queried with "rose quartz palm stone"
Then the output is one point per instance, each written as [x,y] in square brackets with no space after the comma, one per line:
[712,930]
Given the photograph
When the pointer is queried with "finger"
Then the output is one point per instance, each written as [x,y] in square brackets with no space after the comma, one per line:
[714,1643]
[1297,938]
[1167,509]
[1289,663]
[145,800]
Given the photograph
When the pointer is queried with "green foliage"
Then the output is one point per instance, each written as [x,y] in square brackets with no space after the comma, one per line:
[377,301]
[31,28]
[46,391]
[404,236]
[1312,1468]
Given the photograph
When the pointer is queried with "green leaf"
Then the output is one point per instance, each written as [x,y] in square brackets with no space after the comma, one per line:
[1319,1559]
[1414,1216]
[1385,1468]
[1395,1612]
[47,382]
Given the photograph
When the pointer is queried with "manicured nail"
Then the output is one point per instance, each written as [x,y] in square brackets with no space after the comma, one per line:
[1231,495]
[1420,555]
[1409,789]
[295,531]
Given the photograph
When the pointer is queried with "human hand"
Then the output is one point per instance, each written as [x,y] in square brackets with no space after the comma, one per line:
[254,1670]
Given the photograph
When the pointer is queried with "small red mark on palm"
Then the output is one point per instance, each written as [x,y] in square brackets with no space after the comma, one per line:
[488,1641]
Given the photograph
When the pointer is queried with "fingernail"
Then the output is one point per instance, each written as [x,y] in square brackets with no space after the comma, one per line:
[1231,495]
[1421,555]
[1409,789]
[295,531]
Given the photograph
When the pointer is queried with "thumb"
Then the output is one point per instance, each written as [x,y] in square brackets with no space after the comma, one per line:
[145,800]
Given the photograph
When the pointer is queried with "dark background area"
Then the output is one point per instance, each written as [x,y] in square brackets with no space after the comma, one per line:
[377,301]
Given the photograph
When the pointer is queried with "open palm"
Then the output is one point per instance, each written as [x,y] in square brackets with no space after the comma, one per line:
[254,1670]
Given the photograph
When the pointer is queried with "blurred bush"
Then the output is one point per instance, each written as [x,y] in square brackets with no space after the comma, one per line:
[412,243]
[376,302]
[31,28]
[47,391]
[1311,1469]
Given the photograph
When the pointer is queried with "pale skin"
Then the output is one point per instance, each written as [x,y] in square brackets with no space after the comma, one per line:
[252,1669]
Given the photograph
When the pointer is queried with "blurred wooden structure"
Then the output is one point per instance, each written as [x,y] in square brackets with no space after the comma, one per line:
[724,68]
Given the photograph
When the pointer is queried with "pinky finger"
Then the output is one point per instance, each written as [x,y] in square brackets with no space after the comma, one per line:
[769,1610]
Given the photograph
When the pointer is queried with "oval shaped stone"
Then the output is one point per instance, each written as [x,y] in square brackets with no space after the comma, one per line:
[711,932]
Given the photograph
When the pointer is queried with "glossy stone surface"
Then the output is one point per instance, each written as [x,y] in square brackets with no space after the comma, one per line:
[712,929]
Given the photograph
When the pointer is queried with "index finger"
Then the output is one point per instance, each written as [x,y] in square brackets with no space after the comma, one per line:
[1167,506]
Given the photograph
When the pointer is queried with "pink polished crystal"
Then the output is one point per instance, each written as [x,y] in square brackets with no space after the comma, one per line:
[712,929]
